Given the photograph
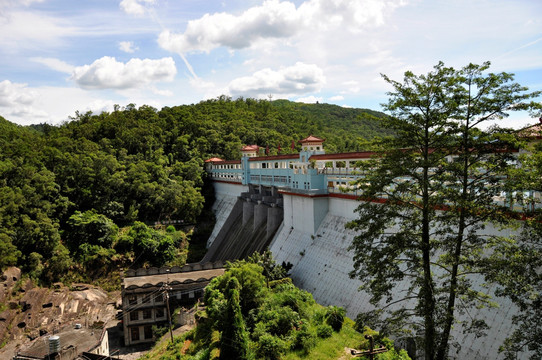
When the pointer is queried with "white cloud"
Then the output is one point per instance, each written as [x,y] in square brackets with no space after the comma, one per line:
[55,64]
[135,7]
[108,73]
[127,47]
[298,79]
[18,101]
[156,91]
[32,30]
[309,99]
[99,106]
[275,19]
[6,4]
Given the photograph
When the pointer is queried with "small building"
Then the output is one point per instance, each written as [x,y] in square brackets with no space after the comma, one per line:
[250,150]
[145,292]
[70,343]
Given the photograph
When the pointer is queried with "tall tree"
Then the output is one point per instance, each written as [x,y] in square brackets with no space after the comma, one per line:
[438,177]
[234,339]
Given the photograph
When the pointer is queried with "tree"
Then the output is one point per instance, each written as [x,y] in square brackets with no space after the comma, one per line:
[437,177]
[8,252]
[522,282]
[89,228]
[234,338]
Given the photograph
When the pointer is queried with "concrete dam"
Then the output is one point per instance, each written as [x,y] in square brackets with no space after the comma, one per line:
[298,207]
[247,223]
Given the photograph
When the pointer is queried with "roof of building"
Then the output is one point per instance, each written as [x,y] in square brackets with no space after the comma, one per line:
[135,282]
[84,339]
[220,161]
[533,131]
[311,138]
[213,159]
[250,148]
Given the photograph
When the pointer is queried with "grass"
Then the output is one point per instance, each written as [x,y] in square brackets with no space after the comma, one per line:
[333,347]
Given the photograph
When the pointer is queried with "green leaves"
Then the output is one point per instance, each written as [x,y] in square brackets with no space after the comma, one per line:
[430,193]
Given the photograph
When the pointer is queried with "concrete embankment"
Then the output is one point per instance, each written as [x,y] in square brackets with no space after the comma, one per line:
[314,239]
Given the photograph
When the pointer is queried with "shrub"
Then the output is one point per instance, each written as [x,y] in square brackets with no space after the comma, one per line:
[159,331]
[304,339]
[279,321]
[335,317]
[270,347]
[324,331]
[319,316]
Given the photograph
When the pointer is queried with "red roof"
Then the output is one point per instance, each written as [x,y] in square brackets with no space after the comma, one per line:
[213,159]
[222,162]
[311,138]
[533,131]
[250,148]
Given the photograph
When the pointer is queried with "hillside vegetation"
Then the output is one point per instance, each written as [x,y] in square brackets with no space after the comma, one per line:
[250,314]
[81,199]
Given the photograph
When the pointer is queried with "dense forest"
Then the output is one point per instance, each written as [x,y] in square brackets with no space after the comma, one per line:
[82,198]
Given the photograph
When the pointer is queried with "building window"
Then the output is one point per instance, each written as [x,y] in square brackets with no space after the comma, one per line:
[147,314]
[160,312]
[159,298]
[135,334]
[132,299]
[134,315]
[146,299]
[148,332]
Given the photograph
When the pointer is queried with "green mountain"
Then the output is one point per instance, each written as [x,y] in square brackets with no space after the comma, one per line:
[80,196]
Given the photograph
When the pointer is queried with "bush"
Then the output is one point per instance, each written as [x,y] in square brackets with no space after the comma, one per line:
[270,347]
[159,331]
[319,316]
[324,331]
[279,321]
[335,317]
[304,339]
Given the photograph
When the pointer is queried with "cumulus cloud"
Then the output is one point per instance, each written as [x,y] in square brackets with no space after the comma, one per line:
[55,64]
[127,47]
[17,101]
[108,73]
[298,79]
[135,7]
[274,19]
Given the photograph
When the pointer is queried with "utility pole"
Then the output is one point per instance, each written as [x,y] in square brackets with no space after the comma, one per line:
[167,305]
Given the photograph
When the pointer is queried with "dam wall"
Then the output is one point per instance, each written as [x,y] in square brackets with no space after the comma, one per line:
[322,263]
[245,223]
[225,199]
[313,237]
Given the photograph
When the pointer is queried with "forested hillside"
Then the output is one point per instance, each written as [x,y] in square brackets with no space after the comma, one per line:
[78,199]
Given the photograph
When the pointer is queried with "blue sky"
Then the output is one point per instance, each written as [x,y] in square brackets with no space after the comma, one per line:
[59,56]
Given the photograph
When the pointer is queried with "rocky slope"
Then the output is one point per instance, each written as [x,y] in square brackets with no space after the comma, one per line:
[28,312]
